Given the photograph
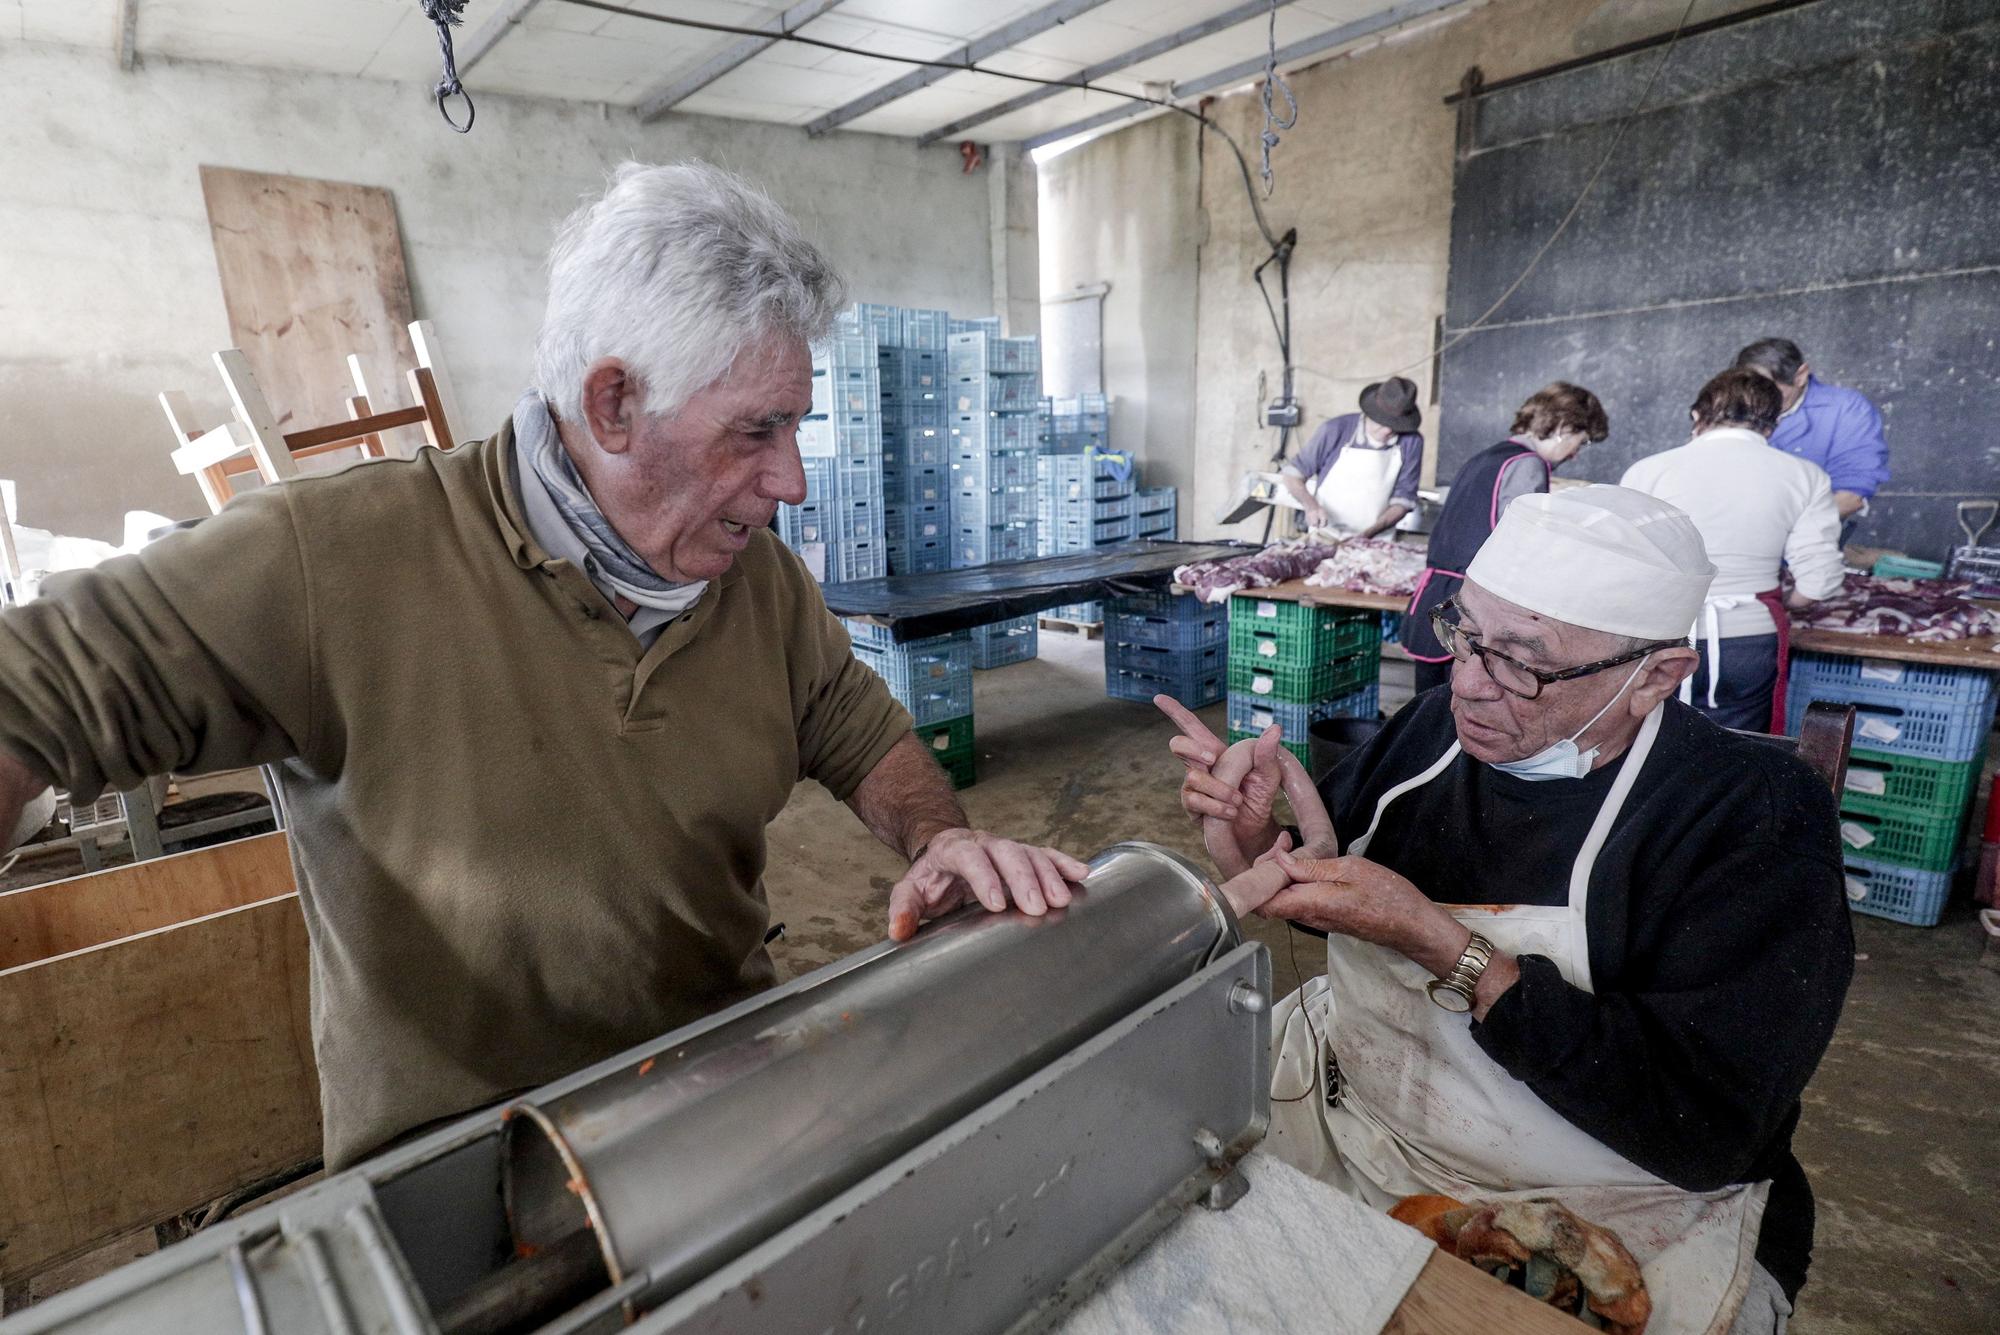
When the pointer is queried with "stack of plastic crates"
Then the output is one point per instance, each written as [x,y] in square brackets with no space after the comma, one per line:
[1166,644]
[994,400]
[1293,664]
[840,530]
[1083,500]
[1159,512]
[1014,640]
[916,462]
[1078,422]
[1920,738]
[932,679]
[925,330]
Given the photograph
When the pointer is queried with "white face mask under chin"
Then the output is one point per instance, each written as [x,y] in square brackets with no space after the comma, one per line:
[1562,760]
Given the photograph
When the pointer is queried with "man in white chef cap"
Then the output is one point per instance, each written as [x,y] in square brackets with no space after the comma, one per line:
[1582,943]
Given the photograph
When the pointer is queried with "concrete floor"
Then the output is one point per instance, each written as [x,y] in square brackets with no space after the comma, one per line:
[1901,1133]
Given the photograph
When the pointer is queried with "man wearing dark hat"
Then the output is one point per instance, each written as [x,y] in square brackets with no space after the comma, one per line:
[1358,473]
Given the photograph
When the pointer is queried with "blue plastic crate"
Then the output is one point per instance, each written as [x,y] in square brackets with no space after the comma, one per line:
[1915,681]
[1089,465]
[1003,642]
[921,556]
[832,480]
[917,486]
[1889,719]
[983,470]
[1070,535]
[1899,894]
[974,324]
[917,447]
[846,389]
[990,509]
[868,635]
[1083,614]
[1164,527]
[905,399]
[1184,623]
[832,521]
[926,329]
[1158,500]
[974,396]
[910,415]
[982,353]
[918,523]
[984,546]
[1193,689]
[846,561]
[1158,661]
[930,678]
[1254,713]
[977,434]
[841,436]
[881,322]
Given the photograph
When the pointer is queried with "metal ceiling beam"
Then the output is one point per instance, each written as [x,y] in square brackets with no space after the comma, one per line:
[662,99]
[1012,34]
[1159,46]
[1396,14]
[488,34]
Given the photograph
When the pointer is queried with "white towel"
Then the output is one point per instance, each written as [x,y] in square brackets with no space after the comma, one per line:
[1292,1256]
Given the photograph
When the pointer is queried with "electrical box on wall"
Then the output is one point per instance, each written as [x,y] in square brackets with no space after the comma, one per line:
[1283,412]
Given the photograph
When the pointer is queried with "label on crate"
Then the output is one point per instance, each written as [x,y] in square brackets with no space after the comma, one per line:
[1878,729]
[1266,647]
[1857,889]
[1262,684]
[941,742]
[1871,781]
[1855,836]
[1876,670]
[814,555]
[1266,609]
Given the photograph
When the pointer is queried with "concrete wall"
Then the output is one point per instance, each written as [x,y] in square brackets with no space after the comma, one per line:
[108,288]
[1122,210]
[1366,177]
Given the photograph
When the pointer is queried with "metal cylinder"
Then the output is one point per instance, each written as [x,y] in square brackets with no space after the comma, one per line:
[698,1151]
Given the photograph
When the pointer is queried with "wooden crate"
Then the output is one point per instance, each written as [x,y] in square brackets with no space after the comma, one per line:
[155,1045]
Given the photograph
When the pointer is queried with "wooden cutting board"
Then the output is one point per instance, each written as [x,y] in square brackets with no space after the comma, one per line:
[312,271]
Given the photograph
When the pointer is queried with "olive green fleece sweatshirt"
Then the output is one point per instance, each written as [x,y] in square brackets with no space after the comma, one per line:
[522,843]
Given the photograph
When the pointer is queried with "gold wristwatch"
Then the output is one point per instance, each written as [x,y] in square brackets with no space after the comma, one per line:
[1454,990]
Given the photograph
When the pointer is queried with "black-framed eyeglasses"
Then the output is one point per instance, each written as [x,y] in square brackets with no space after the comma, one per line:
[1511,674]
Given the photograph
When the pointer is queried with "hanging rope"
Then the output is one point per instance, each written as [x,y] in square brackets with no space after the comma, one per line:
[1274,85]
[448,14]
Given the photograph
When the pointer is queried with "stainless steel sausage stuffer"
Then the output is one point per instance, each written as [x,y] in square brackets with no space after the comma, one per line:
[962,1133]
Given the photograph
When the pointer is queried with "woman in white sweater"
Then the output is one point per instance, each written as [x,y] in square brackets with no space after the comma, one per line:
[1758,509]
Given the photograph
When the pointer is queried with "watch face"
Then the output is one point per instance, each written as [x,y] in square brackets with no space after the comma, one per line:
[1450,998]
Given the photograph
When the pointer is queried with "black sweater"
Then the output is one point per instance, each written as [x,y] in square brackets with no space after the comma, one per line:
[1720,947]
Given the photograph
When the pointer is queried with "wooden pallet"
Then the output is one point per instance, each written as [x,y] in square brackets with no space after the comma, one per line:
[1090,630]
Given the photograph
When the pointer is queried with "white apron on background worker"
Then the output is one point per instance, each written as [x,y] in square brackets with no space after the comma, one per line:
[1357,475]
[1468,1129]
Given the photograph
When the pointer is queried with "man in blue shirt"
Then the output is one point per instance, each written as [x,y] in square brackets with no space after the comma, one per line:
[1829,425]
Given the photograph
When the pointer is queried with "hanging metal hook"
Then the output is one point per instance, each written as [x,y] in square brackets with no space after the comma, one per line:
[446,14]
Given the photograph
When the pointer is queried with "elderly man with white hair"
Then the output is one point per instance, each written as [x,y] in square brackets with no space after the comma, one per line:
[1582,944]
[533,701]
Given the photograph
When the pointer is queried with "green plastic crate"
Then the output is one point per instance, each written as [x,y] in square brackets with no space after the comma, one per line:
[1896,566]
[1906,839]
[1271,631]
[1911,784]
[951,745]
[1303,683]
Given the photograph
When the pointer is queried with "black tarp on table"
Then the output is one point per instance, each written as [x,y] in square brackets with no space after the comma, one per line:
[915,607]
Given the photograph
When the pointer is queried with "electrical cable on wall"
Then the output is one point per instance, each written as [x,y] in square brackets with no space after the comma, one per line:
[448,14]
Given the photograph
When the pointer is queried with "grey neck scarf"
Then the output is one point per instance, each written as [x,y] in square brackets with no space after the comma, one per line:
[619,569]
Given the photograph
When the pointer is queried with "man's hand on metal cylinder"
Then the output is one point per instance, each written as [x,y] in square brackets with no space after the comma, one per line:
[961,864]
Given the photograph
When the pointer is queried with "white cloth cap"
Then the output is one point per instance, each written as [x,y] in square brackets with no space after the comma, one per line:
[1607,558]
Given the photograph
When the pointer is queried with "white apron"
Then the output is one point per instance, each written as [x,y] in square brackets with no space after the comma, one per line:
[1356,489]
[1711,621]
[1422,1110]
